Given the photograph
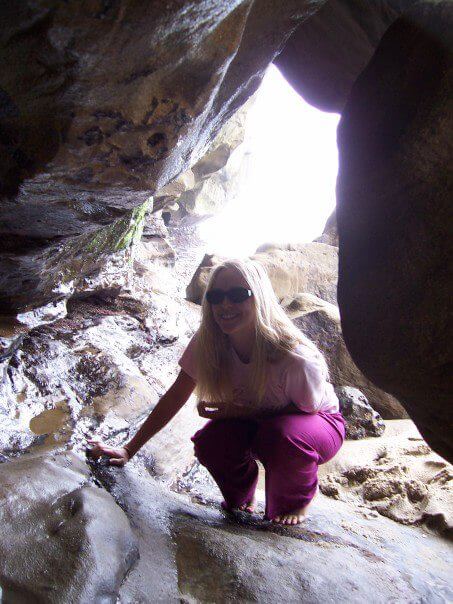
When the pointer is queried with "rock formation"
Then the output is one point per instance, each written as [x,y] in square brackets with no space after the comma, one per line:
[337,42]
[394,218]
[320,321]
[306,267]
[204,189]
[63,538]
[102,105]
[361,419]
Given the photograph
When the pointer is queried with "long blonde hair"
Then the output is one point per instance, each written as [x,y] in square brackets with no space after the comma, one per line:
[275,336]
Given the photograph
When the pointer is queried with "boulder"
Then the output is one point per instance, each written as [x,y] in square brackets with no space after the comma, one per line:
[63,539]
[292,268]
[362,420]
[189,550]
[320,321]
[394,218]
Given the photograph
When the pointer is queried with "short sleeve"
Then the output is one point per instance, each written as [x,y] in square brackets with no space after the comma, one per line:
[306,383]
[188,360]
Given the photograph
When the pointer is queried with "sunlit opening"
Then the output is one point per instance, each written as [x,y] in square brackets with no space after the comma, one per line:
[288,187]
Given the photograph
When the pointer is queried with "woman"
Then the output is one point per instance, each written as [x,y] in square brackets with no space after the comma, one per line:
[265,388]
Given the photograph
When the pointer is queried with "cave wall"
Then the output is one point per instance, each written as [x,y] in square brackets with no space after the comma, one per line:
[103,103]
[394,218]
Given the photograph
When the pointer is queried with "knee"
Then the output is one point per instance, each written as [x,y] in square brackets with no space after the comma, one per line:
[209,443]
[204,443]
[277,438]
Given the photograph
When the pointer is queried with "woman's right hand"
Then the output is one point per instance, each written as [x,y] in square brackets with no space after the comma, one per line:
[118,455]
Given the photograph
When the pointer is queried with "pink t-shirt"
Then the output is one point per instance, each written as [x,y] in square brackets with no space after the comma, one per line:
[298,378]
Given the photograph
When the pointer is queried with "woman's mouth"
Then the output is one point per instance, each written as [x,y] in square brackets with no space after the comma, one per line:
[228,317]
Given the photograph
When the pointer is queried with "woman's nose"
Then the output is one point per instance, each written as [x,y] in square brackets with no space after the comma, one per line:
[226,304]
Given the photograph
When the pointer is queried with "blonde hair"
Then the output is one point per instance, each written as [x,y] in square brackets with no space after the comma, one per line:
[275,336]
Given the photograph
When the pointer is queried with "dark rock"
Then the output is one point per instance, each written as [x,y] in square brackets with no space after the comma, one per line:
[362,420]
[394,219]
[337,42]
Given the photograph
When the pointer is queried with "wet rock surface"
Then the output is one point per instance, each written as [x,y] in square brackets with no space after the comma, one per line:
[63,539]
[361,419]
[393,211]
[205,554]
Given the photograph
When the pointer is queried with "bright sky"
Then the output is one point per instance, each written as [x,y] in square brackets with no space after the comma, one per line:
[289,188]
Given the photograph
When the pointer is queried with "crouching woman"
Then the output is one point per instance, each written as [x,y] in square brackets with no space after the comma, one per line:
[264,387]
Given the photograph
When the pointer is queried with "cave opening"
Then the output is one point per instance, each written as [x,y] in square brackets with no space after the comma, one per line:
[284,189]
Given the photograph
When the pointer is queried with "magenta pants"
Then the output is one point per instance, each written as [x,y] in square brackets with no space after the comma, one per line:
[290,447]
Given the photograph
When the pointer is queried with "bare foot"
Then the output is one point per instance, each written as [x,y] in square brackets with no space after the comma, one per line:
[296,516]
[249,507]
[246,507]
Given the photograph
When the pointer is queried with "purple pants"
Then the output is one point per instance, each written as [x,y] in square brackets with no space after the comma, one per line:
[290,447]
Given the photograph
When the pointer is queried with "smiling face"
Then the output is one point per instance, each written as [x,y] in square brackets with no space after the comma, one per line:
[231,317]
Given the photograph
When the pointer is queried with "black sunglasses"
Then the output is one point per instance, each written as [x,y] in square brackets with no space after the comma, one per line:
[235,295]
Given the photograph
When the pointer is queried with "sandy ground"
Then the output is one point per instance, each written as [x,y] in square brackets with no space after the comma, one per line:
[396,475]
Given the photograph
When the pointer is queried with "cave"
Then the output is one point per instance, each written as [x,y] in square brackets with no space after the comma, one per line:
[114,116]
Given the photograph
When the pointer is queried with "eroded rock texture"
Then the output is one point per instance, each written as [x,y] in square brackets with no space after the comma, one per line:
[325,55]
[103,104]
[394,218]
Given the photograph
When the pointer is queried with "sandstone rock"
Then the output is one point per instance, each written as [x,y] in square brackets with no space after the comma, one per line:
[337,42]
[394,218]
[215,178]
[63,539]
[189,551]
[320,321]
[362,420]
[305,267]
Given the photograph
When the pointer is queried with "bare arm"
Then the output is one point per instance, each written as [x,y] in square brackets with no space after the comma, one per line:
[167,407]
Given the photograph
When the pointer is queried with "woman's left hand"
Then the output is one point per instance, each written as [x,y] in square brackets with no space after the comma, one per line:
[224,410]
[212,410]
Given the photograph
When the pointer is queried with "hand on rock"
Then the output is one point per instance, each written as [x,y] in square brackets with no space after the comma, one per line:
[118,455]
